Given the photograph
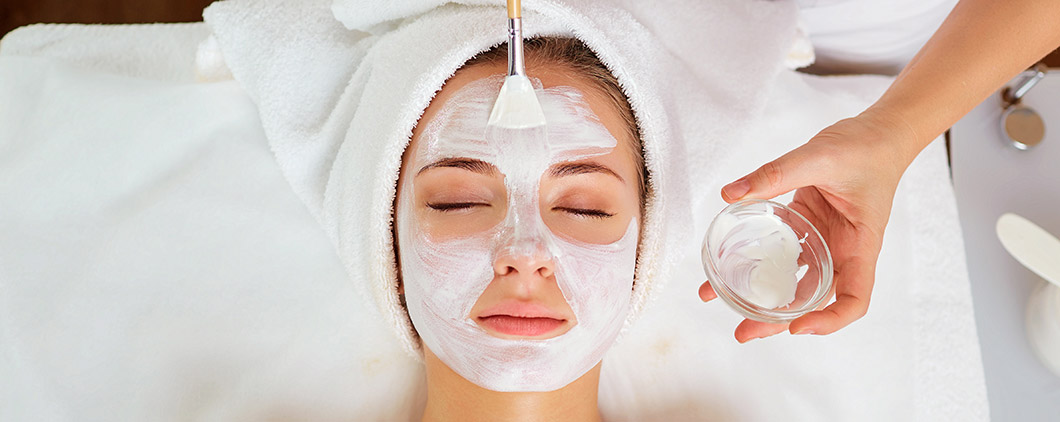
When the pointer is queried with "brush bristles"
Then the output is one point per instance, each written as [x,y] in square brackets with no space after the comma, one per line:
[517,106]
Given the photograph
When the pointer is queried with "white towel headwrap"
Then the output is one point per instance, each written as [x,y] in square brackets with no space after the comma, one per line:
[339,106]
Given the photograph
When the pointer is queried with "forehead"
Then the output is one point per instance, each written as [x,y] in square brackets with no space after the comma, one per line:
[552,78]
[459,129]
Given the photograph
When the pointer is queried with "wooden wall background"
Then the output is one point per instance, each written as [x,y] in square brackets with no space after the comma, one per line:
[15,13]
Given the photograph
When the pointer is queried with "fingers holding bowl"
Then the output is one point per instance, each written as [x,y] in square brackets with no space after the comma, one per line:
[853,289]
[706,292]
[750,329]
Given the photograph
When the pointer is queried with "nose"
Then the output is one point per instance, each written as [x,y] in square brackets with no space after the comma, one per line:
[525,257]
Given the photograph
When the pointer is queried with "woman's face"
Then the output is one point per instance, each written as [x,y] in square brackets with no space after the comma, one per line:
[547,220]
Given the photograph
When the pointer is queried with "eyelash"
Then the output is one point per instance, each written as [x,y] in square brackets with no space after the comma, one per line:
[586,212]
[589,213]
[445,207]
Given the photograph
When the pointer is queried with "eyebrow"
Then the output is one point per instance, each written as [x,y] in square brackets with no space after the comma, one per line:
[558,170]
[571,169]
[469,164]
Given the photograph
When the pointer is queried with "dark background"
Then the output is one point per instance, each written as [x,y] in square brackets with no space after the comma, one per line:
[16,13]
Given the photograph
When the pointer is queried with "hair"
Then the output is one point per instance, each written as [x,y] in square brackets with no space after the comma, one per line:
[574,55]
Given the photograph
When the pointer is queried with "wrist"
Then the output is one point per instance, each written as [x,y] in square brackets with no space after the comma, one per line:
[907,140]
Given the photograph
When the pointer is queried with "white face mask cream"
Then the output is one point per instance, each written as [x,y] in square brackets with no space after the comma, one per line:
[758,256]
[444,276]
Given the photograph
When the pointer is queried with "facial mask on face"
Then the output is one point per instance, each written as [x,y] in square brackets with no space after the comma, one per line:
[443,278]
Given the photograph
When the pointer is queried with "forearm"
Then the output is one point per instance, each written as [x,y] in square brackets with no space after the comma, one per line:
[980,46]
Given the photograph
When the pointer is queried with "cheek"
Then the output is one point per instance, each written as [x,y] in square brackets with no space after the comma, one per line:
[438,275]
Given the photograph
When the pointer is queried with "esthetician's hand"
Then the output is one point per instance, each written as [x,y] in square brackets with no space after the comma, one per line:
[844,179]
[846,175]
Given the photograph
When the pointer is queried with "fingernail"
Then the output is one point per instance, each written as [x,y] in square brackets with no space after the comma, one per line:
[737,189]
[805,331]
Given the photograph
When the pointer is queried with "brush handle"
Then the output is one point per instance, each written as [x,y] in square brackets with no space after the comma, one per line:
[514,9]
[515,47]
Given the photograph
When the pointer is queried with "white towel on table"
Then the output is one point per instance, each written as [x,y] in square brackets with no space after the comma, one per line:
[151,51]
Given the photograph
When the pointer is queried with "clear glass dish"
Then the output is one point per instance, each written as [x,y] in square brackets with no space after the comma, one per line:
[758,254]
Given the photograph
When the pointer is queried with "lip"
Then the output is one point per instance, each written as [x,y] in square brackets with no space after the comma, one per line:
[521,327]
[521,310]
[521,320]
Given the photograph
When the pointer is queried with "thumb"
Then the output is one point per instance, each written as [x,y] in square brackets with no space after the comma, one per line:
[785,174]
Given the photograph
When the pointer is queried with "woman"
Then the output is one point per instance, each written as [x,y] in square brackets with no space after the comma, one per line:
[517,249]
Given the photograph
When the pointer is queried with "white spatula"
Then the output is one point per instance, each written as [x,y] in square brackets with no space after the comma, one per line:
[517,106]
[1031,245]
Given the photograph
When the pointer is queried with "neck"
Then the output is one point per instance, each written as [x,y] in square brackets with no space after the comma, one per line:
[450,397]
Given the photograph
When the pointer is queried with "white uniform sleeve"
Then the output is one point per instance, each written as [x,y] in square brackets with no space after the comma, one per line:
[870,36]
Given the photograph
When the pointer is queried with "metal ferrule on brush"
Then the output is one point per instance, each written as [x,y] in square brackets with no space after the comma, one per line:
[515,47]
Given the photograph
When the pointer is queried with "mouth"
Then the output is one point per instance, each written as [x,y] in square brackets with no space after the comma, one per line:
[521,320]
[519,326]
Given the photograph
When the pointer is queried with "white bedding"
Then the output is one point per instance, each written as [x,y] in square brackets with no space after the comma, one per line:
[155,265]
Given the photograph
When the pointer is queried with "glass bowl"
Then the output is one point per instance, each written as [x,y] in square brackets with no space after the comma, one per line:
[767,261]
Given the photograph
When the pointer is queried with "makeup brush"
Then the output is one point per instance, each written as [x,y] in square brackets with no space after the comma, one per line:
[516,106]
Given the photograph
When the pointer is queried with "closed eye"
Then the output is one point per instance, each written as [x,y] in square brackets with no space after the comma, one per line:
[453,206]
[583,212]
